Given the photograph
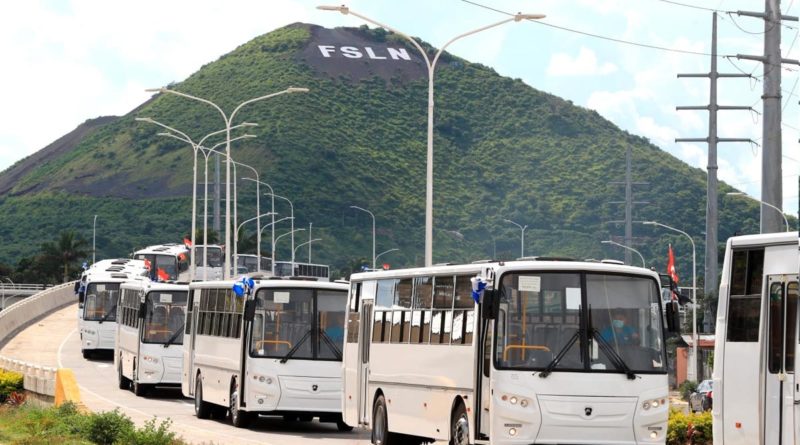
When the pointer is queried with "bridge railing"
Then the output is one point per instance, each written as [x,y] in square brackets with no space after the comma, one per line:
[38,379]
[22,287]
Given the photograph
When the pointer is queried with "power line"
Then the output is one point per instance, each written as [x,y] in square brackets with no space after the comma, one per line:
[691,6]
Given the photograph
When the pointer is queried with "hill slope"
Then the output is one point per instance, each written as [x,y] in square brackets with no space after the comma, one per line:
[503,150]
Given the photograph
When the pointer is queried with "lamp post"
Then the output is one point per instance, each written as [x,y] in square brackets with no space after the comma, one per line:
[522,237]
[291,209]
[94,233]
[4,291]
[625,247]
[785,220]
[272,199]
[310,224]
[374,258]
[228,119]
[694,290]
[181,136]
[385,252]
[431,68]
[291,232]
[308,243]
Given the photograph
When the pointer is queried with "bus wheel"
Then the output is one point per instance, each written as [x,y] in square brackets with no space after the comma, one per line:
[459,426]
[201,409]
[239,419]
[124,382]
[87,354]
[380,423]
[140,389]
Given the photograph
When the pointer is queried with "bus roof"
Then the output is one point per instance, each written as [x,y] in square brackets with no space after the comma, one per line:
[148,286]
[163,249]
[272,283]
[117,270]
[763,239]
[504,266]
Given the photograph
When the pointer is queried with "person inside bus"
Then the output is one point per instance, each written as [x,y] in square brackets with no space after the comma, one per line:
[335,327]
[619,332]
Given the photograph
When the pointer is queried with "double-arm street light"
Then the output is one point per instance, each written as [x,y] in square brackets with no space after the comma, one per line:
[291,232]
[228,119]
[521,238]
[385,252]
[625,247]
[181,136]
[309,244]
[431,68]
[374,258]
[694,290]
[94,233]
[273,224]
[788,228]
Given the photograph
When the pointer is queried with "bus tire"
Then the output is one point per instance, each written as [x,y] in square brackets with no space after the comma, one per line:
[201,409]
[124,382]
[239,418]
[140,389]
[87,354]
[341,426]
[380,424]
[459,425]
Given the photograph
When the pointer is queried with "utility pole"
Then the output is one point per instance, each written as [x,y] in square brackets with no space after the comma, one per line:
[629,202]
[771,171]
[216,195]
[712,202]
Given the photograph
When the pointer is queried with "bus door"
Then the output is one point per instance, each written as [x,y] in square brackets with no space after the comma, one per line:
[793,289]
[364,405]
[189,339]
[780,391]
[483,358]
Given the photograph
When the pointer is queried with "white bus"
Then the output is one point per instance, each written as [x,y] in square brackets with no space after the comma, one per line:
[150,320]
[756,397]
[319,271]
[249,264]
[279,353]
[167,262]
[100,294]
[212,268]
[556,352]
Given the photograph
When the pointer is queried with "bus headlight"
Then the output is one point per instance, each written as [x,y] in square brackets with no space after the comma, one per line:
[512,432]
[653,403]
[262,379]
[513,400]
[150,359]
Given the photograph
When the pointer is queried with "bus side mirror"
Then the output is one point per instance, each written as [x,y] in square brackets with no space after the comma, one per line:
[142,309]
[490,304]
[673,317]
[249,310]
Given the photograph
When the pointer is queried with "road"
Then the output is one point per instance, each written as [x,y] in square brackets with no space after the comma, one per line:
[54,341]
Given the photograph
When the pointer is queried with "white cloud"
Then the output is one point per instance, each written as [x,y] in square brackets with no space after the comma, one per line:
[584,64]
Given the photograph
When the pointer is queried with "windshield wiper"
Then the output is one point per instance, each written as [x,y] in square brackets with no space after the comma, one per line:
[336,351]
[549,368]
[174,336]
[296,347]
[616,359]
[108,314]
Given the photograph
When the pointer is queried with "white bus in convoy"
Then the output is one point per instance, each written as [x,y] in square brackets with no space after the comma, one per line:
[276,351]
[250,264]
[150,320]
[99,292]
[756,397]
[167,262]
[321,272]
[211,268]
[556,352]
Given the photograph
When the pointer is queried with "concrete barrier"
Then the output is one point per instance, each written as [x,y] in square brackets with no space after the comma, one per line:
[40,380]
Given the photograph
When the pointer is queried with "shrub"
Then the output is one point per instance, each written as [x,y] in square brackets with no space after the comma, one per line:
[689,429]
[10,381]
[150,434]
[687,388]
[108,427]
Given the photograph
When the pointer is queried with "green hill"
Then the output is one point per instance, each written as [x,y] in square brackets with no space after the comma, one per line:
[502,150]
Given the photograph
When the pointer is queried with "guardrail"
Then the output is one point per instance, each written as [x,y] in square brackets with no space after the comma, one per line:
[22,286]
[39,379]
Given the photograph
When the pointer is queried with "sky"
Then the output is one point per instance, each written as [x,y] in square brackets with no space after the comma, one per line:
[69,61]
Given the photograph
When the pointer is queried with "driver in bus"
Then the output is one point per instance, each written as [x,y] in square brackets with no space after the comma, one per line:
[335,327]
[619,332]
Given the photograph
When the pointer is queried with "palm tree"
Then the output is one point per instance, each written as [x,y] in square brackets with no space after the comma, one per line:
[67,251]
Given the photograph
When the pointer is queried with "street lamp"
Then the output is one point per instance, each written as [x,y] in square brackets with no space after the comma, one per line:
[374,258]
[309,244]
[94,233]
[258,204]
[522,237]
[291,232]
[291,208]
[4,291]
[694,290]
[625,247]
[228,119]
[195,148]
[431,68]
[788,228]
[385,252]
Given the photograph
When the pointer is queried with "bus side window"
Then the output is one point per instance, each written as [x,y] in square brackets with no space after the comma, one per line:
[353,315]
[744,307]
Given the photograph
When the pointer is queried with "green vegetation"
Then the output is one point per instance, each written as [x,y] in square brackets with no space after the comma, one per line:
[29,425]
[10,382]
[502,150]
[689,429]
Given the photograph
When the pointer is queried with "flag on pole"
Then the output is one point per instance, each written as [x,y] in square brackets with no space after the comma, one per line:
[671,265]
[162,274]
[187,242]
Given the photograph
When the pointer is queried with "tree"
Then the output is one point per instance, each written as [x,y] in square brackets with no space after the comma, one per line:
[69,249]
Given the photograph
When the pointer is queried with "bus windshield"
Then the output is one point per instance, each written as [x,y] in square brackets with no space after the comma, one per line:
[161,267]
[214,256]
[299,324]
[595,322]
[164,318]
[101,302]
